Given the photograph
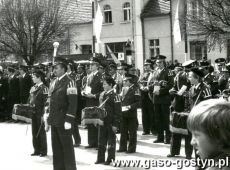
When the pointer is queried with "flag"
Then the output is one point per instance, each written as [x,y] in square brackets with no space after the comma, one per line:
[98,23]
[180,13]
[113,55]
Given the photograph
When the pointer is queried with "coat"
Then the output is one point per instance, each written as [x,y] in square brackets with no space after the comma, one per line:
[25,84]
[38,98]
[132,98]
[62,102]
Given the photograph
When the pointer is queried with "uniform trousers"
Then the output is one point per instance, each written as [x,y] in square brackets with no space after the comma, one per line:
[106,137]
[63,150]
[92,135]
[162,121]
[176,144]
[39,135]
[128,132]
[147,115]
[76,134]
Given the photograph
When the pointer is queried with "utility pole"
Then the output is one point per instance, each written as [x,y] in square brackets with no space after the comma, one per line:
[94,9]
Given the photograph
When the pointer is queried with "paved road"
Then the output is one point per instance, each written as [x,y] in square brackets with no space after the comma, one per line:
[16,147]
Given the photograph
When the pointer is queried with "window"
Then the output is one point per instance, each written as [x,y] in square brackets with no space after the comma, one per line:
[154,46]
[127,11]
[196,8]
[107,14]
[116,48]
[86,49]
[198,50]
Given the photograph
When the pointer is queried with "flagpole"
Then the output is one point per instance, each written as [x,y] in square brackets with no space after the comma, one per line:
[94,9]
[185,33]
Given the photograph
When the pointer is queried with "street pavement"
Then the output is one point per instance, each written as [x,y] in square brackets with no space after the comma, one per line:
[16,147]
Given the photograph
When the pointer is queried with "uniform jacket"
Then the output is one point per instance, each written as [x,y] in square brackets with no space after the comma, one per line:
[112,117]
[38,98]
[202,89]
[25,85]
[13,86]
[130,98]
[3,87]
[94,81]
[62,102]
[163,76]
[180,80]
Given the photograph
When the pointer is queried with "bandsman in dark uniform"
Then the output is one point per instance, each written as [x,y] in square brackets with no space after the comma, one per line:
[38,98]
[13,90]
[107,131]
[92,92]
[130,97]
[25,84]
[62,110]
[146,103]
[162,100]
[179,112]
[3,95]
[70,70]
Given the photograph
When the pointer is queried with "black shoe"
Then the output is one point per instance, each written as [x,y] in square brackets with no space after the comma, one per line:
[167,142]
[99,162]
[145,133]
[43,155]
[76,145]
[158,141]
[107,162]
[90,146]
[188,157]
[130,151]
[121,150]
[170,155]
[35,154]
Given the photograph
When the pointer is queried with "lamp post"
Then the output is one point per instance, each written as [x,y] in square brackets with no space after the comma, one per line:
[55,45]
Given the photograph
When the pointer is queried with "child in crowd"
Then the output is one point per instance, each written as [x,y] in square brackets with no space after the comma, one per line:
[209,123]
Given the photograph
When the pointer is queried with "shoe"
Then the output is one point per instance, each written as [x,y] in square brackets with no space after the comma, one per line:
[90,146]
[99,162]
[107,162]
[158,141]
[188,157]
[170,155]
[130,151]
[76,145]
[35,154]
[43,155]
[121,150]
[167,142]
[145,133]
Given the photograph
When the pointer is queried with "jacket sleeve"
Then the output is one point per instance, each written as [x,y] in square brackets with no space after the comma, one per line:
[72,101]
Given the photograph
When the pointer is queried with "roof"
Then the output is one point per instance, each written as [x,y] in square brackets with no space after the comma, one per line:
[76,11]
[156,8]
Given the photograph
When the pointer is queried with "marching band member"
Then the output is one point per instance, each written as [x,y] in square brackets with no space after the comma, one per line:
[107,131]
[146,103]
[91,92]
[179,112]
[130,102]
[38,97]
[62,111]
[162,100]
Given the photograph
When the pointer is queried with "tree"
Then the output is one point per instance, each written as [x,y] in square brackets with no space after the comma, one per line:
[29,27]
[210,18]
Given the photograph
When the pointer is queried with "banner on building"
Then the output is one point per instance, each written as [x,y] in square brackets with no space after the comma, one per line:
[98,23]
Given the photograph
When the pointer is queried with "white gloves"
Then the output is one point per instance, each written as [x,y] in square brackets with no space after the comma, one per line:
[67,125]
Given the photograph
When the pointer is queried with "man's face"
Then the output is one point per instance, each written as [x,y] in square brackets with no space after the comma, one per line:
[191,78]
[160,63]
[93,67]
[58,70]
[126,83]
[147,67]
[21,71]
[219,67]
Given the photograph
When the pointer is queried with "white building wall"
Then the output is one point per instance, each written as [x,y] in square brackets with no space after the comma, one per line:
[158,28]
